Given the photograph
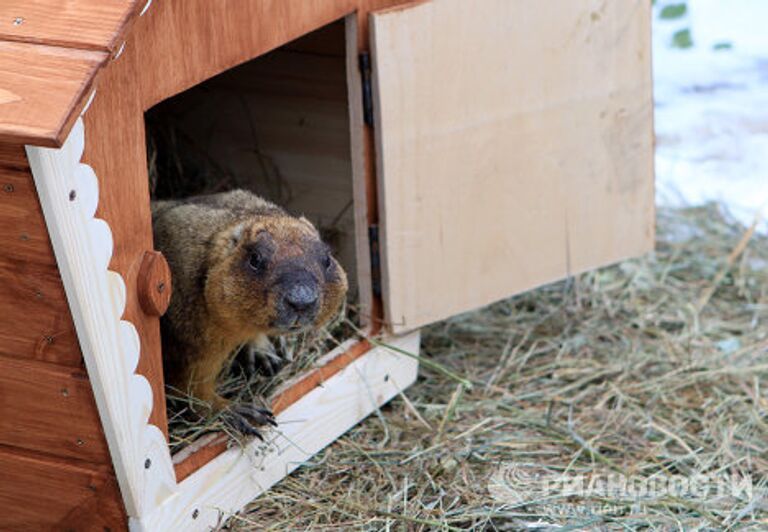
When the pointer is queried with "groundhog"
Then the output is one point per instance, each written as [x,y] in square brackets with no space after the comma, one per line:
[243,269]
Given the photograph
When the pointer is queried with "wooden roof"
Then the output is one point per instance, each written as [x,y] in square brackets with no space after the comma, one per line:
[50,53]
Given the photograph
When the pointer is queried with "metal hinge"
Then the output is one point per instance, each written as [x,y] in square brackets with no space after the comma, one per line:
[373,242]
[365,76]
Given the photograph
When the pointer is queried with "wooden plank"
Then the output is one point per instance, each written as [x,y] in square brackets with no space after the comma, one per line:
[38,493]
[88,24]
[23,235]
[532,164]
[36,322]
[51,410]
[363,159]
[13,156]
[102,512]
[305,427]
[41,91]
[363,181]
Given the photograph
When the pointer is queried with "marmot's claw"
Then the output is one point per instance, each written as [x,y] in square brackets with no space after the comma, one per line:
[269,417]
[246,419]
[263,358]
[267,365]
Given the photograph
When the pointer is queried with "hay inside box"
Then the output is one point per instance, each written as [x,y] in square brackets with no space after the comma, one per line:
[453,153]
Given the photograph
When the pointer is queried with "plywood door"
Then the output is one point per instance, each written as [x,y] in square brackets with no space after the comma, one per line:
[514,145]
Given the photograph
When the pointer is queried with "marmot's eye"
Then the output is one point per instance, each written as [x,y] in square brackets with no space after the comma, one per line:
[258,262]
[327,261]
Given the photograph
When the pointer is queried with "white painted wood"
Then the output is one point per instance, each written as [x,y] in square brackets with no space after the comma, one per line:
[237,476]
[69,195]
[514,147]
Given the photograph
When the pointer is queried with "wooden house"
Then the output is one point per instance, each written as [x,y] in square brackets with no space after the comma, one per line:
[461,151]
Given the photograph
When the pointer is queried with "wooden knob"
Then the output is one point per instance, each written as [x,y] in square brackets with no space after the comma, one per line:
[154,284]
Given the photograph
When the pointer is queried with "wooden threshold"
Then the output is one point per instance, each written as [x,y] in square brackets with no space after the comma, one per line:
[212,445]
[238,475]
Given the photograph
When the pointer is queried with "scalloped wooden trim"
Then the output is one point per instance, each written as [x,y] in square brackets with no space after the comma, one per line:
[69,195]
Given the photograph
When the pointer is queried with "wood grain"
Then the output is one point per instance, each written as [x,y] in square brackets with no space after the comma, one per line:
[41,91]
[103,511]
[36,322]
[41,493]
[23,234]
[13,157]
[50,409]
[524,168]
[88,24]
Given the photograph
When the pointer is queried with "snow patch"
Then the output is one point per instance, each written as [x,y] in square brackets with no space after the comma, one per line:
[712,106]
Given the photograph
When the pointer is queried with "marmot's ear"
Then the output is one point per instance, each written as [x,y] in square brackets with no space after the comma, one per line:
[237,234]
[309,224]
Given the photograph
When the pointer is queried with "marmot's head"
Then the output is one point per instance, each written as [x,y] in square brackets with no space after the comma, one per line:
[273,275]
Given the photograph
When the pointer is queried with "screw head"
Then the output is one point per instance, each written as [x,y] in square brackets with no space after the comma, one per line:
[195,514]
[18,21]
[147,463]
[161,287]
[80,442]
[8,187]
[72,195]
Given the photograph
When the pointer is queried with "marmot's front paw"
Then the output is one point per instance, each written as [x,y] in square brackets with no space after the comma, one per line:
[248,419]
[262,358]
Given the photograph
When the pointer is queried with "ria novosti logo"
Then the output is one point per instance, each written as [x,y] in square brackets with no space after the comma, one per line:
[521,484]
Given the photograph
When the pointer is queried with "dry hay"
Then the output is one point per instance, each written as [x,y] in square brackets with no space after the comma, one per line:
[654,368]
[189,419]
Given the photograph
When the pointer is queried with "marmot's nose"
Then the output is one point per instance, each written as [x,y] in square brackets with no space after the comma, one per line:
[301,296]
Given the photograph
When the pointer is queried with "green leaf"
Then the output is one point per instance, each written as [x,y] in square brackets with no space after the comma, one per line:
[725,45]
[673,11]
[682,39]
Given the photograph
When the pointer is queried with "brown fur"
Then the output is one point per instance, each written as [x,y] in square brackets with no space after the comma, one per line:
[219,302]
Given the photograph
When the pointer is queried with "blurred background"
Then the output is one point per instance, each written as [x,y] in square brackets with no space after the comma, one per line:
[711,89]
